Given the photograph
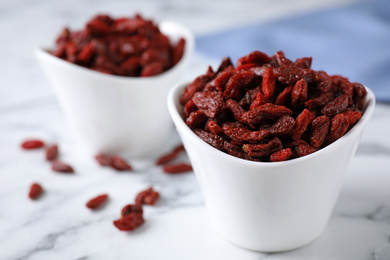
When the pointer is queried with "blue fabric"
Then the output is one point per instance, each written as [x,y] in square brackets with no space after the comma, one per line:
[353,41]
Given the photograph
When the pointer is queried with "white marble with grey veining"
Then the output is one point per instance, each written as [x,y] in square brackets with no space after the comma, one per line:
[58,226]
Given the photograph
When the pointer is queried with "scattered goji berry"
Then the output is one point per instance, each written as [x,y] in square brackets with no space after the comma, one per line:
[97,201]
[52,152]
[118,163]
[59,166]
[148,196]
[36,191]
[32,144]
[177,168]
[171,155]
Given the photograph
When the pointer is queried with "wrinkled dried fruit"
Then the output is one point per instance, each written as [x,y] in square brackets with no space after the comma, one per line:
[271,108]
[177,168]
[118,163]
[36,191]
[260,150]
[59,166]
[171,155]
[32,144]
[281,155]
[97,201]
[148,196]
[132,217]
[319,130]
[103,159]
[52,153]
[301,123]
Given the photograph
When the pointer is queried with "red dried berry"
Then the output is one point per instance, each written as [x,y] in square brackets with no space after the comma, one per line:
[32,144]
[178,51]
[103,159]
[281,155]
[59,166]
[126,210]
[269,82]
[118,163]
[97,201]
[260,150]
[171,155]
[36,191]
[129,222]
[52,152]
[301,123]
[319,130]
[177,168]
[148,196]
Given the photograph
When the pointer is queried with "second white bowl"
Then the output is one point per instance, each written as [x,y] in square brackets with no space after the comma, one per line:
[115,114]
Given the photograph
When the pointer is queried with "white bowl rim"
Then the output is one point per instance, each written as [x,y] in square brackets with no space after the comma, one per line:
[189,48]
[173,100]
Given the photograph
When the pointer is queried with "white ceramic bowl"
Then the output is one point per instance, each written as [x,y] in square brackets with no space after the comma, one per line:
[116,114]
[263,206]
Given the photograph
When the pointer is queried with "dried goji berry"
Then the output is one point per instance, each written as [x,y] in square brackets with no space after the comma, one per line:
[236,110]
[301,123]
[304,149]
[148,196]
[303,63]
[126,210]
[97,201]
[266,111]
[36,191]
[257,57]
[281,155]
[52,152]
[241,134]
[352,116]
[225,63]
[59,166]
[171,155]
[131,218]
[233,149]
[260,150]
[152,69]
[283,126]
[319,130]
[118,163]
[177,168]
[299,94]
[284,97]
[339,127]
[269,82]
[178,51]
[237,84]
[103,159]
[213,127]
[196,119]
[32,144]
[338,105]
[210,102]
[210,138]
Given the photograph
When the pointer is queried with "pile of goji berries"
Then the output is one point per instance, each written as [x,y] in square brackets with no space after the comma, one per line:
[271,108]
[132,47]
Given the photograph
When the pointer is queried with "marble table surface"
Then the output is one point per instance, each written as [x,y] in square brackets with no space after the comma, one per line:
[59,226]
